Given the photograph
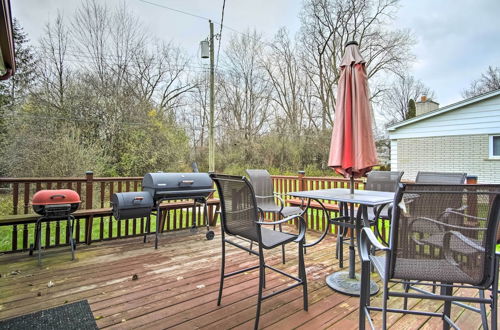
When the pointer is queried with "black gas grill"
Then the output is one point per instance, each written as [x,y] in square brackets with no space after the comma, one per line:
[164,186]
[159,187]
[170,186]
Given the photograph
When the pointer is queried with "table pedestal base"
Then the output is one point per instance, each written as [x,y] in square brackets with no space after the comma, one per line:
[341,282]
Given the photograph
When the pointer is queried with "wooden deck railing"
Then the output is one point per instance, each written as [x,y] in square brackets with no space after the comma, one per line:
[97,223]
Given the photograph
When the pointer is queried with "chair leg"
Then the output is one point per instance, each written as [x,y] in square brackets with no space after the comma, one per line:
[340,249]
[303,275]
[448,291]
[482,307]
[364,294]
[261,286]
[385,297]
[405,299]
[223,263]
[282,248]
[494,297]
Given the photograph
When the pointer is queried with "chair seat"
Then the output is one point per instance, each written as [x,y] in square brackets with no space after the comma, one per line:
[287,210]
[273,238]
[456,244]
[424,270]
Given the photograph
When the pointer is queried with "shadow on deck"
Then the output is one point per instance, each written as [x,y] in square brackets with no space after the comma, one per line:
[177,286]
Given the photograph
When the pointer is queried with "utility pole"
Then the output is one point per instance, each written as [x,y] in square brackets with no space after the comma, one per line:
[211,137]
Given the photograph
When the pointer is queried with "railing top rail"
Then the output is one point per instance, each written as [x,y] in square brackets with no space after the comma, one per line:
[51,179]
[67,179]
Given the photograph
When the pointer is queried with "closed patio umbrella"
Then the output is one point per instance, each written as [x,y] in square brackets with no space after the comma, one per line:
[352,148]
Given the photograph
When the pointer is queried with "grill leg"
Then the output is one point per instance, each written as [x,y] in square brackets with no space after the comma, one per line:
[71,222]
[38,238]
[158,223]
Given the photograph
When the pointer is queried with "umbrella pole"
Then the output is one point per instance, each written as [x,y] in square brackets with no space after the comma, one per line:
[352,184]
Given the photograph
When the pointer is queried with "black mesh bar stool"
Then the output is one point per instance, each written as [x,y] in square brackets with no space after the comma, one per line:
[266,199]
[465,257]
[240,219]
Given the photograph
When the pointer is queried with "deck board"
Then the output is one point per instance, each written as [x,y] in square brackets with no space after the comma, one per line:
[177,287]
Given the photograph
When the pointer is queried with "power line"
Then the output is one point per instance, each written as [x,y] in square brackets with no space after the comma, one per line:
[176,10]
[220,32]
[206,18]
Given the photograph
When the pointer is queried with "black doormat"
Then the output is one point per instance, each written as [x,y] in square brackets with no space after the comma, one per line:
[70,316]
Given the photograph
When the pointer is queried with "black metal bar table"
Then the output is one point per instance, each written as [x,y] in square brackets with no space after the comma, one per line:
[342,281]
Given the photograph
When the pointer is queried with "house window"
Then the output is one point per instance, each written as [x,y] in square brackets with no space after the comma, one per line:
[495,146]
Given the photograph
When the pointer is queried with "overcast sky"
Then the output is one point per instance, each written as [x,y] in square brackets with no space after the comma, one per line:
[457,39]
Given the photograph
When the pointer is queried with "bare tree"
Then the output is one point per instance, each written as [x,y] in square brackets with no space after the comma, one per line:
[285,73]
[245,89]
[395,102]
[489,81]
[327,25]
[53,70]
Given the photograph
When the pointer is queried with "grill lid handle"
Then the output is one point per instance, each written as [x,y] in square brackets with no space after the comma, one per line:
[138,198]
[57,196]
[186,182]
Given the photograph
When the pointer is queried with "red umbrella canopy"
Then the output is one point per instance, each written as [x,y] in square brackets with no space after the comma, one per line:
[352,148]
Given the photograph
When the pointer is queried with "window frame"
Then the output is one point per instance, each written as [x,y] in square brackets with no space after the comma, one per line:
[490,146]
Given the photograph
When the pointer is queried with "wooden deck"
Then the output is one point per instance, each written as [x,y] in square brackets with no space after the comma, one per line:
[177,287]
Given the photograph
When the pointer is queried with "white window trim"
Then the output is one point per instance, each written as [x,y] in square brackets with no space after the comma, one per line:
[490,147]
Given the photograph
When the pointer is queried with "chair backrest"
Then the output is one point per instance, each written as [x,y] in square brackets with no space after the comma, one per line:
[383,180]
[426,243]
[263,186]
[441,177]
[238,206]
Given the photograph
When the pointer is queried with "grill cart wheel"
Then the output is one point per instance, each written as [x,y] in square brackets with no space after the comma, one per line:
[210,235]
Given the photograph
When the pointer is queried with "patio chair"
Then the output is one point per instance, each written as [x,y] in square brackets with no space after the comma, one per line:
[266,199]
[441,177]
[240,219]
[382,181]
[376,181]
[422,205]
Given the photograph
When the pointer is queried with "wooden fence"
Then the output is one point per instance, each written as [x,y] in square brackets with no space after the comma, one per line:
[95,222]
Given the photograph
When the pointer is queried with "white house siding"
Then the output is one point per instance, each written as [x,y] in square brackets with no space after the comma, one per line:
[450,141]
[465,153]
[478,118]
[394,155]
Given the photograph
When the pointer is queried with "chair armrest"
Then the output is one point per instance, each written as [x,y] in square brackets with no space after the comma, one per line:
[366,239]
[457,212]
[279,221]
[447,225]
[449,253]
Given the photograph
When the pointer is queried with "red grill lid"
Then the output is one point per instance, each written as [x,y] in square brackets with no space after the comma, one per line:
[52,197]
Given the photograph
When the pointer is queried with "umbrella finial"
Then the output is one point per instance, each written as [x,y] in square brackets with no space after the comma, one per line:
[352,42]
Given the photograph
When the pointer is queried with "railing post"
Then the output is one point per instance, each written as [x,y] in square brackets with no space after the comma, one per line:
[89,197]
[472,207]
[471,179]
[301,180]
